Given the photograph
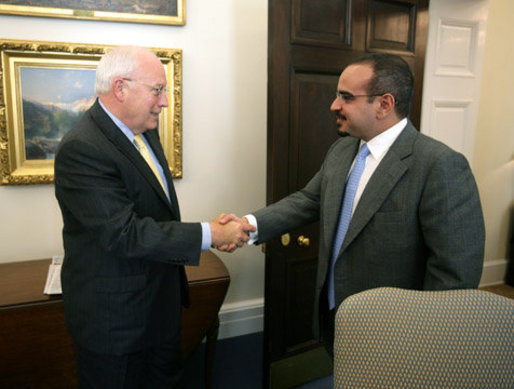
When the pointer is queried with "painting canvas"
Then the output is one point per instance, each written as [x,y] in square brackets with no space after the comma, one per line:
[157,7]
[53,100]
[137,11]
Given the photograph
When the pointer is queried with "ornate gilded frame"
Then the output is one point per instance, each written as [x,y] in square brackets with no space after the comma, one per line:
[132,11]
[15,168]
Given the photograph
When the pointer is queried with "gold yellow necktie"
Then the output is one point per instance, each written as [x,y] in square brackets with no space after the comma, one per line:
[141,145]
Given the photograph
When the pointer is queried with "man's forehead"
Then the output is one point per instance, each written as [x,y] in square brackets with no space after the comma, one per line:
[355,76]
[153,70]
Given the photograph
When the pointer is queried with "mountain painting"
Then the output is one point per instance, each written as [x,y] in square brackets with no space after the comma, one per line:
[53,100]
[155,7]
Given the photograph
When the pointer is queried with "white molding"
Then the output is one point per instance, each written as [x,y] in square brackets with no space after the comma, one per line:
[241,318]
[494,272]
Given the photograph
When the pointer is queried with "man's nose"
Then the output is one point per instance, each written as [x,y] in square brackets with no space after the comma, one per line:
[336,104]
[163,100]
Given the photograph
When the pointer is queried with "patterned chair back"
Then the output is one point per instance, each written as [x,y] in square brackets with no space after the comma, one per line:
[397,338]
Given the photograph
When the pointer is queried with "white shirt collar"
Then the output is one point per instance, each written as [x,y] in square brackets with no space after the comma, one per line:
[127,131]
[381,143]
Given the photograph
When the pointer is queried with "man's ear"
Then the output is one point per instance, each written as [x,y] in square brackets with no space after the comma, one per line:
[117,89]
[386,107]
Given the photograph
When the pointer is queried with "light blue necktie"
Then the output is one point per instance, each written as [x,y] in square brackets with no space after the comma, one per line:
[345,216]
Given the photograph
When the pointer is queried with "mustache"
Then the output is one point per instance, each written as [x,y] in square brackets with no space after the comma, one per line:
[342,134]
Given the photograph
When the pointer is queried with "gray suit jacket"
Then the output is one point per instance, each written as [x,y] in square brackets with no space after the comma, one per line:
[418,224]
[123,277]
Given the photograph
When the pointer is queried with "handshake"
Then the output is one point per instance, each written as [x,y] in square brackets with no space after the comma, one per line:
[230,232]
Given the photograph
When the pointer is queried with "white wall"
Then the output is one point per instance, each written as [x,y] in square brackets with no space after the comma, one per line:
[224,126]
[493,162]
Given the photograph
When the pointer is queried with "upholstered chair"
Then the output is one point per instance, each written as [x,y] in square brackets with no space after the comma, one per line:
[397,338]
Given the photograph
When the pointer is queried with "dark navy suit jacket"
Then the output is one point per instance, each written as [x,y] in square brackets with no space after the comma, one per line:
[123,275]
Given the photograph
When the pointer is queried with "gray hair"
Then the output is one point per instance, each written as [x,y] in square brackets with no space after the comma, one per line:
[120,61]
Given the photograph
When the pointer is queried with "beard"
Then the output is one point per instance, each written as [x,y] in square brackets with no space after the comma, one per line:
[340,132]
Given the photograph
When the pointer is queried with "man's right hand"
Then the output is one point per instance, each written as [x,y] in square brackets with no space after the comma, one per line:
[230,232]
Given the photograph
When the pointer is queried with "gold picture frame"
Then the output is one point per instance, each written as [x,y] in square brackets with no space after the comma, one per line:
[170,12]
[30,129]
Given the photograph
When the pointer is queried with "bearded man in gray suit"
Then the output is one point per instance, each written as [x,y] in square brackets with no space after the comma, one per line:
[416,221]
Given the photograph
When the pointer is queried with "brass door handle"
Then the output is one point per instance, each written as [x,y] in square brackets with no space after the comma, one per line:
[303,241]
[285,239]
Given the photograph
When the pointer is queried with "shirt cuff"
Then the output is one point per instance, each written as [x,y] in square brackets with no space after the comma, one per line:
[254,236]
[206,236]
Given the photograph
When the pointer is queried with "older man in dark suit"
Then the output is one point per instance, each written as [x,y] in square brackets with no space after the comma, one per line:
[410,218]
[123,276]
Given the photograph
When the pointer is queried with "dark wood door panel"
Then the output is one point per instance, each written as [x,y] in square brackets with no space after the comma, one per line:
[299,305]
[392,26]
[321,23]
[313,127]
[300,280]
[291,276]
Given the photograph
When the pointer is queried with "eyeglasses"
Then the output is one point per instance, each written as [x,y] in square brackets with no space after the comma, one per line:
[156,90]
[348,97]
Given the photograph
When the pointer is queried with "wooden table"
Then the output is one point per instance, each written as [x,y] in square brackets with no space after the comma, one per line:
[35,348]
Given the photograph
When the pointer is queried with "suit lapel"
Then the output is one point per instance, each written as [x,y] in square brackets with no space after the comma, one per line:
[120,141]
[153,139]
[335,188]
[383,180]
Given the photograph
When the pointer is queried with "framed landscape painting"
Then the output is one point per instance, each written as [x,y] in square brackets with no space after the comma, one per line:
[136,11]
[46,87]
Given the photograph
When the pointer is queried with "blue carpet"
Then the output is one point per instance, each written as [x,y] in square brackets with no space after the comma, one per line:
[237,364]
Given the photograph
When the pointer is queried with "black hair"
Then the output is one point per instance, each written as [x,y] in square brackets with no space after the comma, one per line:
[391,74]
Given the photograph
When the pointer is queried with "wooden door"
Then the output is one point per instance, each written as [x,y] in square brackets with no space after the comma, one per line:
[310,41]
